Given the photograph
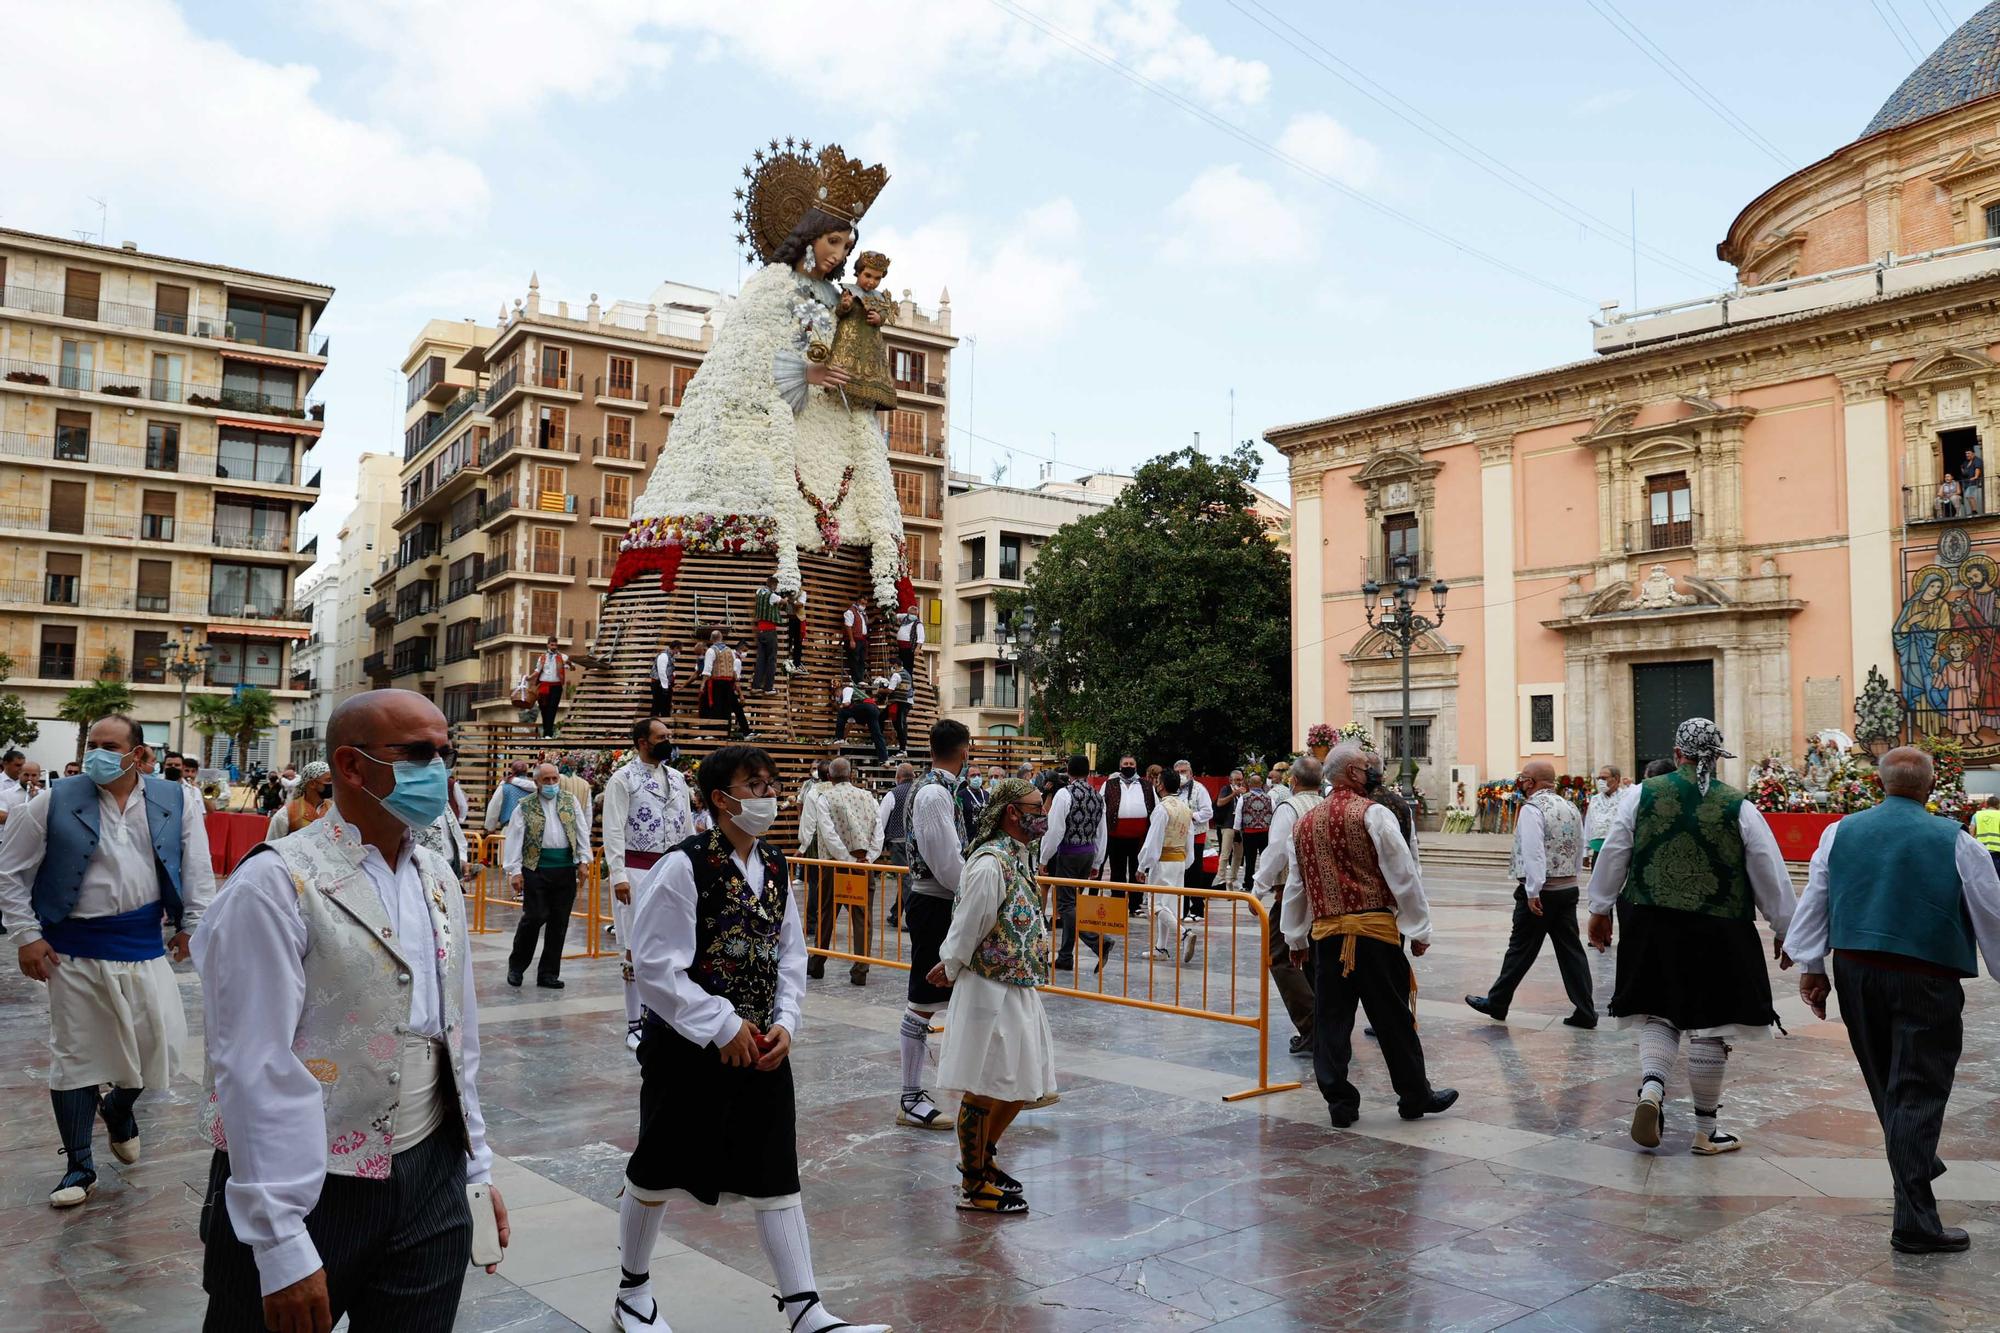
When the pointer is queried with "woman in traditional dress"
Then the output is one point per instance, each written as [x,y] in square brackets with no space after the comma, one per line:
[766,450]
[998,1052]
[1925,616]
[307,804]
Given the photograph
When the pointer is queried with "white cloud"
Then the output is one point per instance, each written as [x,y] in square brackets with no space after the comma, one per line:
[130,101]
[1021,279]
[1330,148]
[1228,218]
[470,65]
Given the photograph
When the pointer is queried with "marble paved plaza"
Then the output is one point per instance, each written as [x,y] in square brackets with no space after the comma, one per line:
[1155,1204]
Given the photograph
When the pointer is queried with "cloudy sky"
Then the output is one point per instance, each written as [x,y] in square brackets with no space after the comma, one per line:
[1137,205]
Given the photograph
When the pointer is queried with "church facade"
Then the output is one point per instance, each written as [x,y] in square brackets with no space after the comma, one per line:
[1737,508]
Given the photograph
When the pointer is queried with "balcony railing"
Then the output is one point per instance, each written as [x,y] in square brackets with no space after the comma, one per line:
[376,665]
[504,382]
[468,401]
[548,379]
[927,571]
[238,538]
[971,571]
[629,451]
[123,315]
[31,592]
[922,448]
[491,689]
[411,552]
[1381,569]
[1675,534]
[221,604]
[625,393]
[497,506]
[975,634]
[491,629]
[1922,504]
[70,449]
[491,452]
[56,666]
[934,388]
[416,608]
[611,506]
[966,696]
[926,505]
[411,656]
[462,587]
[378,612]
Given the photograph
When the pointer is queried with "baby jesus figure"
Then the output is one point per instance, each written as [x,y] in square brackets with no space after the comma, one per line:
[857,338]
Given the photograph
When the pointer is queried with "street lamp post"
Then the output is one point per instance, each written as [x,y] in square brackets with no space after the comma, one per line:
[1400,621]
[185,660]
[1019,645]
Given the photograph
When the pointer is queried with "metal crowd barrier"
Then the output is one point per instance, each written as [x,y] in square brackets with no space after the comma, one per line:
[860,908]
[490,889]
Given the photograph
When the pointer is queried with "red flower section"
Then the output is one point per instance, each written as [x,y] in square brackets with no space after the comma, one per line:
[663,560]
[906,595]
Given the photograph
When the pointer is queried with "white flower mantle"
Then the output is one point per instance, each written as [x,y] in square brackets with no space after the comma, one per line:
[737,449]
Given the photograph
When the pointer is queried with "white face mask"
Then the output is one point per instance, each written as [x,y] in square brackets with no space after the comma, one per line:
[756,815]
[1602,786]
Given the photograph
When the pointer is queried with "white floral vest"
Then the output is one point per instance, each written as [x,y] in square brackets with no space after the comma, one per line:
[1562,839]
[357,993]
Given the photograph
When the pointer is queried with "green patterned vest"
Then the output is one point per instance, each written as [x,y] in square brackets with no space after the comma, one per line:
[1687,848]
[1015,951]
[531,842]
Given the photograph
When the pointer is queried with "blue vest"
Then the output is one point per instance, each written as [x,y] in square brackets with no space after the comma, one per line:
[72,840]
[510,796]
[1892,886]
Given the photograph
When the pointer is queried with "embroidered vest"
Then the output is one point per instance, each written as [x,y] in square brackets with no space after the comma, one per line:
[1892,886]
[1015,952]
[1256,808]
[725,664]
[657,817]
[357,986]
[1134,821]
[1687,849]
[1337,862]
[961,820]
[72,841]
[534,819]
[1174,839]
[1086,808]
[1562,839]
[853,816]
[1302,803]
[899,814]
[736,934]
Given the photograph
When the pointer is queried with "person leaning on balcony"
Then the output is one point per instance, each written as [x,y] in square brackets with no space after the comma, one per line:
[1948,497]
[1972,480]
[551,674]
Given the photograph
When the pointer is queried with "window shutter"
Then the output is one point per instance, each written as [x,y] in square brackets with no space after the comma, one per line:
[170,308]
[66,563]
[66,501]
[156,577]
[80,287]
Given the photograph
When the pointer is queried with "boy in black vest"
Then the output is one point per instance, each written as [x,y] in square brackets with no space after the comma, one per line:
[720,962]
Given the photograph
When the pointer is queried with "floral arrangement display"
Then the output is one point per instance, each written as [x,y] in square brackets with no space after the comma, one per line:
[1318,734]
[823,510]
[1855,787]
[1947,757]
[656,545]
[1497,801]
[593,766]
[1458,819]
[1351,730]
[1878,718]
[1776,787]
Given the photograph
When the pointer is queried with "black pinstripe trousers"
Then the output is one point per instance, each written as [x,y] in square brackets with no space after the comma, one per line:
[395,1250]
[1907,1029]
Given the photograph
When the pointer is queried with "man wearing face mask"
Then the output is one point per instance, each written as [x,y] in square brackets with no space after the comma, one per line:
[548,838]
[89,871]
[343,1055]
[940,828]
[1128,808]
[720,962]
[646,813]
[1548,852]
[1603,809]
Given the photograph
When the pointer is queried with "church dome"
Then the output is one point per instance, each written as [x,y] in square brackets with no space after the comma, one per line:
[1965,68]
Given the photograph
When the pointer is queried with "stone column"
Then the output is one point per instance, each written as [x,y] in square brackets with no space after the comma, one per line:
[1871,522]
[1498,665]
[1308,605]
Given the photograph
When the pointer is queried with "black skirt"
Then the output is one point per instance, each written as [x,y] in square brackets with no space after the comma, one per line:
[709,1129]
[1693,970]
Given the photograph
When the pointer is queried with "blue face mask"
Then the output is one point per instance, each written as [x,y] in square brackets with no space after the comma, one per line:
[551,790]
[420,793]
[105,767]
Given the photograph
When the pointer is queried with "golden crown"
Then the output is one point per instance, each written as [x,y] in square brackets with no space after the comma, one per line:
[785,181]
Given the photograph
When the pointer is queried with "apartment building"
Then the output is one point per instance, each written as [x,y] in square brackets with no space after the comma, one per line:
[993,534]
[525,444]
[367,532]
[156,423]
[312,661]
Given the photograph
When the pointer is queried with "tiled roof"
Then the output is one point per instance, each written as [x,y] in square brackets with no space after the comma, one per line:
[1964,69]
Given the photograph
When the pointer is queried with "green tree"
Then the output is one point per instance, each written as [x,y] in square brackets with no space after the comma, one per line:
[252,712]
[210,715]
[15,728]
[1175,617]
[91,701]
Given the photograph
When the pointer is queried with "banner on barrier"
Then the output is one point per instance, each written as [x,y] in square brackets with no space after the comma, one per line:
[1094,913]
[850,888]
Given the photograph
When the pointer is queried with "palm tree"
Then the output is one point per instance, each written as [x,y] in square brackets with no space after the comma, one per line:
[252,713]
[211,715]
[90,701]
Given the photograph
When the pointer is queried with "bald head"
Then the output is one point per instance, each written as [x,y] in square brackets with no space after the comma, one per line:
[906,773]
[1908,772]
[1304,775]
[1536,775]
[838,770]
[363,739]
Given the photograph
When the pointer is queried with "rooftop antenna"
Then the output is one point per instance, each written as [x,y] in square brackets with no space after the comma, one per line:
[103,213]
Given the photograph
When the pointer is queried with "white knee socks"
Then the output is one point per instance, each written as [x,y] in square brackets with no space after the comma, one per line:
[631,1001]
[783,1231]
[1708,1057]
[1659,1047]
[638,1230]
[916,1037]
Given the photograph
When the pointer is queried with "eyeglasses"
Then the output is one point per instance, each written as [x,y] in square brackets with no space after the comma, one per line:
[421,752]
[758,789]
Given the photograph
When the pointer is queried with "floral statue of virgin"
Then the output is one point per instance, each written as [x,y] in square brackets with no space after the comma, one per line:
[766,453]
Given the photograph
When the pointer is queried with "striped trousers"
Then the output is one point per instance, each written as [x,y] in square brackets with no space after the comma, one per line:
[1907,1030]
[395,1251]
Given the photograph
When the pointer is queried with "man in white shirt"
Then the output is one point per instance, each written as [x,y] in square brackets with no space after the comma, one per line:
[720,670]
[88,873]
[1163,861]
[1272,880]
[1075,847]
[551,672]
[1610,788]
[663,682]
[1203,807]
[646,815]
[12,794]
[845,818]
[1356,898]
[1905,897]
[851,702]
[548,841]
[854,633]
[909,638]
[892,831]
[500,805]
[343,1049]
[1548,852]
[940,828]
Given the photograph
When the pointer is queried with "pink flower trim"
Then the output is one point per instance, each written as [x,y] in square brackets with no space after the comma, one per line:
[374,1168]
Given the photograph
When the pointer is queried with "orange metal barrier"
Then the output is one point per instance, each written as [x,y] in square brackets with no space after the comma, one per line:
[592,907]
[860,906]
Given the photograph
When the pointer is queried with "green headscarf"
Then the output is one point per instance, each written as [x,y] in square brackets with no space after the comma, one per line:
[1008,791]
